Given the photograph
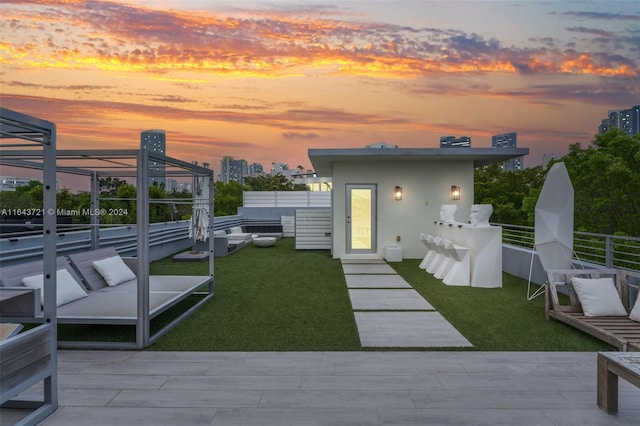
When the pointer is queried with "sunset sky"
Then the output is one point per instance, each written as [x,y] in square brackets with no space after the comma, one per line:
[266,81]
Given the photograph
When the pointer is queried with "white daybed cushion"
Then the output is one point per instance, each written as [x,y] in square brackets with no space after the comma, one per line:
[114,270]
[236,230]
[67,288]
[635,312]
[598,297]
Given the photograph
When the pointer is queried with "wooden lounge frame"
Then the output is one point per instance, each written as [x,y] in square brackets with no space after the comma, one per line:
[618,331]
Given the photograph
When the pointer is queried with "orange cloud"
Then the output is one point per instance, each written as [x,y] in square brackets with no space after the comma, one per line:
[119,37]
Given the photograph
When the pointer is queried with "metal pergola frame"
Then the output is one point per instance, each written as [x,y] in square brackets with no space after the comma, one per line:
[97,164]
[23,131]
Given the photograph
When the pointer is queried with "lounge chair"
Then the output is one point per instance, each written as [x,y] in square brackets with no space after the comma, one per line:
[98,307]
[104,305]
[617,330]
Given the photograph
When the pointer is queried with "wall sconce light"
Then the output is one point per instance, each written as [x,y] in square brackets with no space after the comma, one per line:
[397,195]
[455,192]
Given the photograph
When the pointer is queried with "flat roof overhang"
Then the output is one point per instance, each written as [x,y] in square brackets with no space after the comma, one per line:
[323,159]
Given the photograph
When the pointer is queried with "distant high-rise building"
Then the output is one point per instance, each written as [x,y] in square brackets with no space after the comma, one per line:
[10,183]
[233,170]
[155,141]
[278,168]
[507,140]
[453,142]
[627,120]
[256,169]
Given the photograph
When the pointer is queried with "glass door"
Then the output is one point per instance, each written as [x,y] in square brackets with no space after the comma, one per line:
[361,218]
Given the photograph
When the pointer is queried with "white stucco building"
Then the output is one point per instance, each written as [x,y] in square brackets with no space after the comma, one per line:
[366,214]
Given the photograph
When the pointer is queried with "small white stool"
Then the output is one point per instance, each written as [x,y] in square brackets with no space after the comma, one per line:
[393,253]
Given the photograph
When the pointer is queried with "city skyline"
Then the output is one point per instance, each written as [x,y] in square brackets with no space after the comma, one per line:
[268,81]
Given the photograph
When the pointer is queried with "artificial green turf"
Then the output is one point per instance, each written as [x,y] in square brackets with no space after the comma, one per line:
[268,299]
[282,299]
[497,319]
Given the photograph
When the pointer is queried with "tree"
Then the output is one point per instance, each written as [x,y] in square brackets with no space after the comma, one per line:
[24,197]
[509,193]
[606,181]
[127,191]
[228,198]
[605,178]
[109,185]
[158,211]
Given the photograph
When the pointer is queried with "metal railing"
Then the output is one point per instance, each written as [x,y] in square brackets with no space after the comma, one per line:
[610,251]
[124,238]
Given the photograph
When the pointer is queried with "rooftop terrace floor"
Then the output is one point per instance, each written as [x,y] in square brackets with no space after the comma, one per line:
[332,388]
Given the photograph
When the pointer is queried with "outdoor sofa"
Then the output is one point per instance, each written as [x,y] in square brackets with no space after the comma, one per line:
[600,304]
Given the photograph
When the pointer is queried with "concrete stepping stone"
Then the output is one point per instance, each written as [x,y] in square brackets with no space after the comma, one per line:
[363,261]
[387,299]
[407,330]
[376,281]
[368,269]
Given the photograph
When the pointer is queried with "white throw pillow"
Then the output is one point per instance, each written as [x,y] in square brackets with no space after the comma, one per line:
[236,230]
[635,312]
[114,270]
[67,288]
[598,297]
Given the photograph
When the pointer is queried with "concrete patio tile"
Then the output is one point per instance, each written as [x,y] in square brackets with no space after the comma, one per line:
[412,359]
[376,281]
[520,368]
[85,398]
[159,368]
[139,416]
[401,367]
[422,417]
[107,381]
[73,367]
[408,330]
[349,388]
[572,358]
[592,417]
[336,399]
[233,383]
[628,397]
[388,300]
[366,382]
[368,269]
[489,399]
[71,397]
[162,356]
[186,399]
[77,356]
[282,367]
[293,357]
[298,417]
[507,381]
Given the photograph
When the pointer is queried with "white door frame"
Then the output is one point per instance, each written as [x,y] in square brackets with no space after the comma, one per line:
[368,230]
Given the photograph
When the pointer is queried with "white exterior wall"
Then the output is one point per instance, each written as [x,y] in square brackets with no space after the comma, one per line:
[426,186]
